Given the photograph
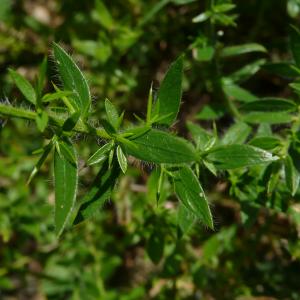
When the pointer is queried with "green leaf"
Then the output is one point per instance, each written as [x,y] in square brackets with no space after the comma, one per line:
[236,134]
[66,151]
[291,175]
[73,80]
[65,182]
[71,122]
[202,17]
[283,69]
[46,151]
[223,7]
[242,49]
[155,246]
[101,154]
[267,117]
[295,43]
[237,92]
[122,159]
[204,53]
[24,86]
[191,195]
[247,71]
[238,156]
[270,105]
[41,120]
[265,142]
[99,192]
[55,96]
[210,112]
[161,147]
[169,94]
[112,114]
[201,137]
[102,15]
[185,219]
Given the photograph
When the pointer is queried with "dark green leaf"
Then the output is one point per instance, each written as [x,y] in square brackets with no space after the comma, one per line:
[238,156]
[169,94]
[161,147]
[24,86]
[191,194]
[122,159]
[71,122]
[155,246]
[247,71]
[242,49]
[283,69]
[101,154]
[73,80]
[46,151]
[270,105]
[65,181]
[291,175]
[265,142]
[99,192]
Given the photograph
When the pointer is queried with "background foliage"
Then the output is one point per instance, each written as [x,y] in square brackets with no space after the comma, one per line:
[131,249]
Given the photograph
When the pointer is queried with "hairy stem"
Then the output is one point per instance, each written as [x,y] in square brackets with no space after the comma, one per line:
[54,119]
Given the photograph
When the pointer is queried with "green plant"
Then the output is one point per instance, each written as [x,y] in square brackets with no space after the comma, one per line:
[175,156]
[239,157]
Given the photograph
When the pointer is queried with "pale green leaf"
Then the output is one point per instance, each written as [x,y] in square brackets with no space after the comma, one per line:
[24,86]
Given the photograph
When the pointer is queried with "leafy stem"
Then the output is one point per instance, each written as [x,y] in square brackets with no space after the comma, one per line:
[54,120]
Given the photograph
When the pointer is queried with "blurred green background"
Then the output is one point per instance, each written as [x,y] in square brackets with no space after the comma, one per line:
[122,46]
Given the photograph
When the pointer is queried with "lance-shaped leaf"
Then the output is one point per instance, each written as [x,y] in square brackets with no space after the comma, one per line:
[190,193]
[112,114]
[99,192]
[242,49]
[65,181]
[101,154]
[122,160]
[238,156]
[267,117]
[46,150]
[270,105]
[291,175]
[185,219]
[265,142]
[236,134]
[73,80]
[169,94]
[24,86]
[161,147]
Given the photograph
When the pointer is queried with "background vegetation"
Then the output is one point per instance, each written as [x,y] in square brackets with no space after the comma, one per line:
[130,249]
